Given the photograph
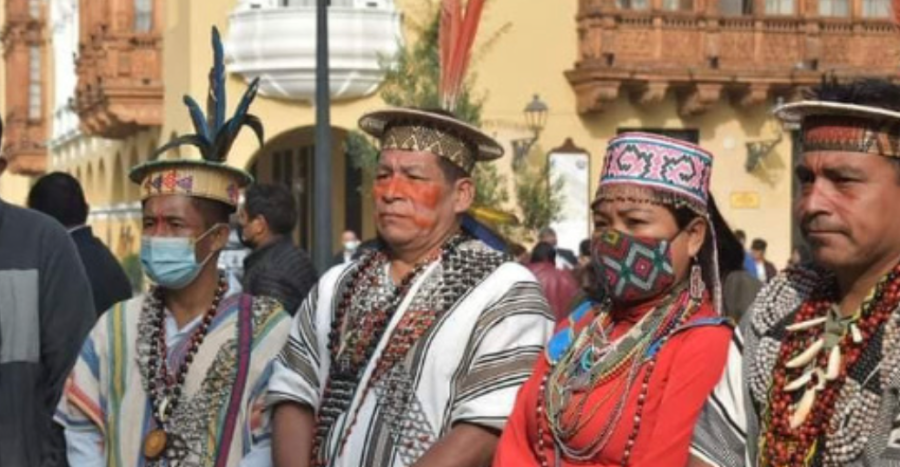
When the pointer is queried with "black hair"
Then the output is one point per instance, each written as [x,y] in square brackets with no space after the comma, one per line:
[543,253]
[730,251]
[276,204]
[584,248]
[870,92]
[759,245]
[60,196]
[452,172]
[741,235]
[213,212]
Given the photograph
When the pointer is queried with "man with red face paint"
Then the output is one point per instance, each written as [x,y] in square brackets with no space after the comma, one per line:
[177,377]
[813,372]
[413,354]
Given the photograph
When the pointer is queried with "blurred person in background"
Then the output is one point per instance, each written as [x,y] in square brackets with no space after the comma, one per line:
[749,264]
[60,196]
[565,259]
[765,270]
[349,248]
[276,267]
[46,310]
[560,287]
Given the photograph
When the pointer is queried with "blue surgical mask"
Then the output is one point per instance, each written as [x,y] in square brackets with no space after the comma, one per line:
[170,262]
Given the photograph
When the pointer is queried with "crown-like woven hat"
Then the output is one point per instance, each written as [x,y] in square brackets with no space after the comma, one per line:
[209,177]
[676,172]
[419,130]
[835,126]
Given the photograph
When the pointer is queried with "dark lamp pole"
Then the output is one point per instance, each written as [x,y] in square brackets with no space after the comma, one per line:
[322,167]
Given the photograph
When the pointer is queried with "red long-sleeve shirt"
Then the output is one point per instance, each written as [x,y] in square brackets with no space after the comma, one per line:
[688,367]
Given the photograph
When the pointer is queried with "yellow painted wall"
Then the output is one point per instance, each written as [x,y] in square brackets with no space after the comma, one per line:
[531,57]
[540,44]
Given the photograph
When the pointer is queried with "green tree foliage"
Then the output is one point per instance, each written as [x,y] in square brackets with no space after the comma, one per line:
[540,199]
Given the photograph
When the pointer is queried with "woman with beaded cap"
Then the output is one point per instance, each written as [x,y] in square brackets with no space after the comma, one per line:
[623,379]
[177,376]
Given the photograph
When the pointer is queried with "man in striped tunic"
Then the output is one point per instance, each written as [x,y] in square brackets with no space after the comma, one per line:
[813,373]
[414,353]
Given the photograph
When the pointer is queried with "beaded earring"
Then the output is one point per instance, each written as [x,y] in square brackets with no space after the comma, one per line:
[697,285]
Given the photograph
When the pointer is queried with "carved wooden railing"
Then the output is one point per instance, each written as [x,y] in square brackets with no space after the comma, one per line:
[705,57]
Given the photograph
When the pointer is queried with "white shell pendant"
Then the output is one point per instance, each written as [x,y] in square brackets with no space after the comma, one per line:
[854,331]
[834,364]
[808,355]
[803,408]
[799,383]
[806,324]
[162,409]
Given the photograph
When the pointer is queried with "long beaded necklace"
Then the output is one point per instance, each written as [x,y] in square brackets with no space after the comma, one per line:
[604,361]
[351,349]
[803,396]
[163,387]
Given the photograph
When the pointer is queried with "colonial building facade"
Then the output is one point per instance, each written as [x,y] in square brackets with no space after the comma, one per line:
[93,86]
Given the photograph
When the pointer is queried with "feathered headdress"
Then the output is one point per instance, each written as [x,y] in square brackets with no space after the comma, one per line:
[457,37]
[440,133]
[214,136]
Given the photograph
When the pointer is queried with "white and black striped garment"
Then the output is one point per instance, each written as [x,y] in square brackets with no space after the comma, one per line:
[728,431]
[467,368]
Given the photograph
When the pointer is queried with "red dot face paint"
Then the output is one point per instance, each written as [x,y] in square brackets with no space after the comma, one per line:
[408,197]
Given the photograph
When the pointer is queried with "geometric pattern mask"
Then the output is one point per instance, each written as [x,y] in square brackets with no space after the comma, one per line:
[633,269]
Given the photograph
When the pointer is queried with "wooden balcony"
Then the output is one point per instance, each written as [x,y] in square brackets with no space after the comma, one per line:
[24,144]
[24,134]
[120,89]
[704,57]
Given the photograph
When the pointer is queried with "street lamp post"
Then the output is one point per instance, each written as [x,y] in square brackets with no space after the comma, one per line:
[535,120]
[322,166]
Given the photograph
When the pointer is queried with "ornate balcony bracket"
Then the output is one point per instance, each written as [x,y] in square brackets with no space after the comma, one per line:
[649,94]
[24,145]
[751,95]
[120,88]
[595,97]
[698,98]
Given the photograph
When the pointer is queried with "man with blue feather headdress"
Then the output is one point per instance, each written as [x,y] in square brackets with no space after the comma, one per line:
[178,376]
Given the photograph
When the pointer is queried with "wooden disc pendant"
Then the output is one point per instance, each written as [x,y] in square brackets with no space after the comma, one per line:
[155,444]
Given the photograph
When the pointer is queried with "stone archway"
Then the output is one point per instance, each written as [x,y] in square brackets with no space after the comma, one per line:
[288,159]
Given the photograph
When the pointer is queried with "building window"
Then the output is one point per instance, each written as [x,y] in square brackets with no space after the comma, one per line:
[34,84]
[34,8]
[143,15]
[837,8]
[876,8]
[633,4]
[678,5]
[780,7]
[691,136]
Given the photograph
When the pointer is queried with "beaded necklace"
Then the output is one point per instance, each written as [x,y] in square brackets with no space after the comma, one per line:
[592,361]
[351,349]
[164,388]
[803,396]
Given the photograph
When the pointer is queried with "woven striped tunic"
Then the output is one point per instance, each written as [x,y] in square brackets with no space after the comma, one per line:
[467,368]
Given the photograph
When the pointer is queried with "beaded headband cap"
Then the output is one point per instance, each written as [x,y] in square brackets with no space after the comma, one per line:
[676,172]
[209,177]
[833,126]
[417,130]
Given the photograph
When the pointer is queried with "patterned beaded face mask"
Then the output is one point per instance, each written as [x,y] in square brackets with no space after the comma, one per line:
[633,269]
